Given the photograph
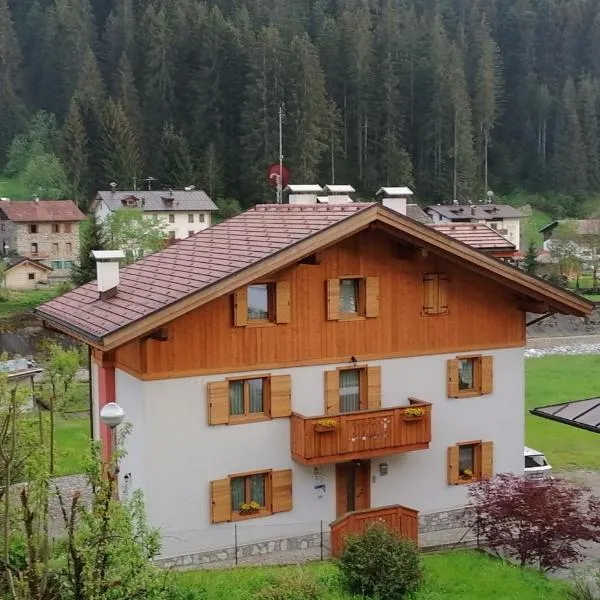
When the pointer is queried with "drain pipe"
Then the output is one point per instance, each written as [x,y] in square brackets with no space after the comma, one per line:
[538,319]
[91,403]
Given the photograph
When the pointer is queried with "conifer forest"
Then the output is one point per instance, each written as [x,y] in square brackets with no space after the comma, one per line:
[452,97]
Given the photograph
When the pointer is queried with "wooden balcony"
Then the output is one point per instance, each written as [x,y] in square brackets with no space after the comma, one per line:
[399,518]
[360,435]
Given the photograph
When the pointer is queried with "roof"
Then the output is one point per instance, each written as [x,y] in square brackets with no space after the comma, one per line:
[15,261]
[301,188]
[158,201]
[531,452]
[108,255]
[414,211]
[584,414]
[254,244]
[582,226]
[339,189]
[475,211]
[394,191]
[477,235]
[31,211]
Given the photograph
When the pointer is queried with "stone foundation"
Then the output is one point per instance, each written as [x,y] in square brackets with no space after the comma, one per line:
[436,530]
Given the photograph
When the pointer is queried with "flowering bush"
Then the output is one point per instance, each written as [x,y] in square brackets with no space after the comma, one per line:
[414,411]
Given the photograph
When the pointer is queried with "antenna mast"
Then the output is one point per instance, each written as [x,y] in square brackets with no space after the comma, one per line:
[280,178]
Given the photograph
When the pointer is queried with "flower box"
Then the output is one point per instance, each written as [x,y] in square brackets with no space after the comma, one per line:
[413,413]
[250,509]
[325,425]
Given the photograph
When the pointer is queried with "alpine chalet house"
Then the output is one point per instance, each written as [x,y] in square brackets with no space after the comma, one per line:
[309,362]
[183,212]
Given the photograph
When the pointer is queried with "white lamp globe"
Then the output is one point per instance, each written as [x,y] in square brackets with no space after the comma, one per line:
[112,414]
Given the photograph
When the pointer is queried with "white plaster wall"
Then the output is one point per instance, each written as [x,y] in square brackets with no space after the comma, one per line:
[102,211]
[181,227]
[512,226]
[182,453]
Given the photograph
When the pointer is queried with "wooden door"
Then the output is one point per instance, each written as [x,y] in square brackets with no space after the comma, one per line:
[353,486]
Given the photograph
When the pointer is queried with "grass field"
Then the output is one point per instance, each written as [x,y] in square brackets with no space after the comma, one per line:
[555,379]
[72,444]
[449,576]
[25,301]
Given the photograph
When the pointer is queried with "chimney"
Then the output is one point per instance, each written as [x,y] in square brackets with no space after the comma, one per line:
[395,198]
[113,188]
[303,194]
[339,194]
[37,199]
[107,271]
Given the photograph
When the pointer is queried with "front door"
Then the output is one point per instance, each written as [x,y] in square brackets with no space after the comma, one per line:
[353,486]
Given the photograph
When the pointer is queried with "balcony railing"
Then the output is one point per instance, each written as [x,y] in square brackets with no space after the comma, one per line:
[398,518]
[360,435]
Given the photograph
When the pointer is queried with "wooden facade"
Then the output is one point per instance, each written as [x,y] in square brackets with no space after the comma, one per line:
[403,520]
[359,435]
[481,314]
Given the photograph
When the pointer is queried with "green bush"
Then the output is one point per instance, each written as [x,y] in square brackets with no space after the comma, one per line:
[296,585]
[380,564]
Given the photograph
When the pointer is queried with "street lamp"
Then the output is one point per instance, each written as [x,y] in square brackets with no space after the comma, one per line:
[112,416]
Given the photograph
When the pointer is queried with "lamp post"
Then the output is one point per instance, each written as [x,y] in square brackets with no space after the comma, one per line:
[112,416]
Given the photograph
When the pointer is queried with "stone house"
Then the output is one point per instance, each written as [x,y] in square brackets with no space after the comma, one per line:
[42,230]
[306,366]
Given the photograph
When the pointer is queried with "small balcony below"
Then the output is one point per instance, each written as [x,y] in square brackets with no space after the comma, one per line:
[361,434]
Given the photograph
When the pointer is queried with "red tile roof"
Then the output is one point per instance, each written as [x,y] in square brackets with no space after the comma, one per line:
[192,264]
[476,235]
[32,211]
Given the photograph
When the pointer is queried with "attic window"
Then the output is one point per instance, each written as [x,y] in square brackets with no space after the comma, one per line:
[130,201]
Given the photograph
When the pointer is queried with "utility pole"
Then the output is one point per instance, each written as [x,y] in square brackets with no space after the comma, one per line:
[280,178]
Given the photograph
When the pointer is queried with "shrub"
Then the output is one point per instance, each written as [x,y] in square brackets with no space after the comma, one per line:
[535,522]
[380,564]
[296,585]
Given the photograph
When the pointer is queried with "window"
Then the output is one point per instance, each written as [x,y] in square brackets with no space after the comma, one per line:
[33,229]
[34,248]
[494,225]
[69,248]
[67,227]
[171,218]
[55,228]
[352,297]
[247,397]
[352,389]
[470,376]
[249,495]
[235,401]
[470,461]
[31,276]
[55,248]
[67,264]
[201,218]
[190,233]
[262,304]
[171,235]
[2,227]
[190,218]
[56,264]
[250,488]
[435,294]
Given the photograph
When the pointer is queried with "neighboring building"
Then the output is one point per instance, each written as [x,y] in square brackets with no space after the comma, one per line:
[501,217]
[183,212]
[481,237]
[42,230]
[582,228]
[318,360]
[25,274]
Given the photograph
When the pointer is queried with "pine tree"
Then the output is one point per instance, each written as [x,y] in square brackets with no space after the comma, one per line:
[93,238]
[177,169]
[530,263]
[119,39]
[75,152]
[120,152]
[210,172]
[127,94]
[589,100]
[570,161]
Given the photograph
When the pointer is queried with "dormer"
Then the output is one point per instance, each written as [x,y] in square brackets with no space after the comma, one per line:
[130,201]
[168,200]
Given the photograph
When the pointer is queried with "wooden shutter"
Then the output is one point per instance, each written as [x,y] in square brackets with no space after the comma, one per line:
[218,403]
[281,491]
[487,374]
[240,307]
[442,292]
[281,396]
[333,299]
[487,460]
[282,302]
[220,501]
[453,465]
[453,378]
[430,294]
[371,297]
[373,387]
[332,392]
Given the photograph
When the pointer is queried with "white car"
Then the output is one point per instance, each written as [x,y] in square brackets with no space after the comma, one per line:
[536,465]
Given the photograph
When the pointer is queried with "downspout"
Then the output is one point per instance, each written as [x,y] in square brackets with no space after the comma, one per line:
[91,403]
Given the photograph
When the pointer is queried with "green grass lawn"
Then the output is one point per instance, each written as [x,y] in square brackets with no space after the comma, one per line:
[449,576]
[26,300]
[555,379]
[72,444]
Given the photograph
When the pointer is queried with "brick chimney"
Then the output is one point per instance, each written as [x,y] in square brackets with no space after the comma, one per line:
[107,271]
